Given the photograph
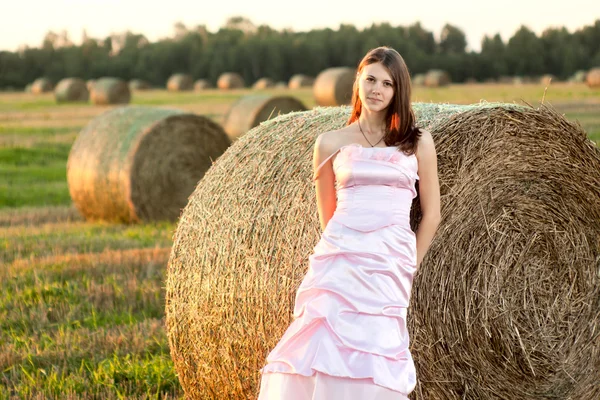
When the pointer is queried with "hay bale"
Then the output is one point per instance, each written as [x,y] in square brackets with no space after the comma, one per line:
[140,163]
[437,78]
[263,83]
[90,84]
[301,81]
[42,85]
[505,305]
[202,84]
[593,78]
[333,86]
[578,77]
[71,90]
[139,84]
[249,111]
[110,91]
[418,80]
[547,79]
[180,82]
[230,80]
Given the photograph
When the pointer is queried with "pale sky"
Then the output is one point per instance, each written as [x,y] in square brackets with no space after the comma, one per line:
[27,21]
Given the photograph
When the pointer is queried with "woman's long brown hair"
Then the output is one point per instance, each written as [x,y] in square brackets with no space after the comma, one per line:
[401,129]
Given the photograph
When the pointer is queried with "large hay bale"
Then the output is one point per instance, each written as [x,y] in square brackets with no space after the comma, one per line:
[263,83]
[593,78]
[110,91]
[230,80]
[180,82]
[333,86]
[437,78]
[202,84]
[249,111]
[506,304]
[140,163]
[139,84]
[71,90]
[42,85]
[301,81]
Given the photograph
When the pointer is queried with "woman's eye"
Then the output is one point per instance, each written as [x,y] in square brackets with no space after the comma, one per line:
[388,84]
[369,79]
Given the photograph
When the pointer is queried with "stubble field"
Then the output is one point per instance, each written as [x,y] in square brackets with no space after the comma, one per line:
[82,304]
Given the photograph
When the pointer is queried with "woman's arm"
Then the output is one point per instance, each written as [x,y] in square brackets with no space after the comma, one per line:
[325,182]
[429,194]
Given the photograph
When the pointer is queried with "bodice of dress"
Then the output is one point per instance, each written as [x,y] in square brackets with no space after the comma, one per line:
[375,186]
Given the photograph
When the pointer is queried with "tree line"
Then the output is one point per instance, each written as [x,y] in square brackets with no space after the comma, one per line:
[260,51]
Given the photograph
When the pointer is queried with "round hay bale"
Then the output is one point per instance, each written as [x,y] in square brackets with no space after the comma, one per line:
[593,78]
[333,86]
[548,79]
[89,84]
[418,80]
[263,83]
[110,91]
[180,82]
[71,90]
[506,301]
[140,163]
[437,78]
[249,111]
[42,85]
[139,84]
[230,80]
[202,84]
[301,81]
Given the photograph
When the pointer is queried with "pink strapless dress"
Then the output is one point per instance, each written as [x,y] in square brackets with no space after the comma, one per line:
[349,338]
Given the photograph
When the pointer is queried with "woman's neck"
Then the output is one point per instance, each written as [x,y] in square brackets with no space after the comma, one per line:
[372,124]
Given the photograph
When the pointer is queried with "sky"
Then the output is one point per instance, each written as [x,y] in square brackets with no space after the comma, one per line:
[25,22]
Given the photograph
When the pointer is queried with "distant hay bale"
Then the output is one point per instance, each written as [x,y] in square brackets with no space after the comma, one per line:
[333,86]
[504,305]
[140,164]
[110,91]
[230,80]
[89,84]
[71,90]
[249,111]
[180,82]
[548,79]
[418,80]
[202,84]
[139,84]
[578,77]
[437,78]
[301,81]
[42,85]
[263,83]
[593,78]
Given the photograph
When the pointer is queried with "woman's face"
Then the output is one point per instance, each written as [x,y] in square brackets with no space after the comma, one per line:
[375,87]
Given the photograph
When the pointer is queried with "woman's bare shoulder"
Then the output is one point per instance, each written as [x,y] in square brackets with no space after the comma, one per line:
[330,141]
[425,145]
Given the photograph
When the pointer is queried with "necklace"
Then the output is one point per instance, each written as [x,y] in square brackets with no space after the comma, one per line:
[361,131]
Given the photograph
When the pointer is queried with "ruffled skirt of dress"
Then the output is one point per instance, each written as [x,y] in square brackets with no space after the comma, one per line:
[349,332]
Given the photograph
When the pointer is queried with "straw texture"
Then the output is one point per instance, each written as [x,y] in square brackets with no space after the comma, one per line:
[506,304]
[593,78]
[140,163]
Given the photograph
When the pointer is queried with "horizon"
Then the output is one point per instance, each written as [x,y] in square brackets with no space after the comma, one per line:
[99,21]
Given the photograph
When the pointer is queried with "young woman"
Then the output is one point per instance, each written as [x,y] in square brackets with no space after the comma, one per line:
[349,339]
